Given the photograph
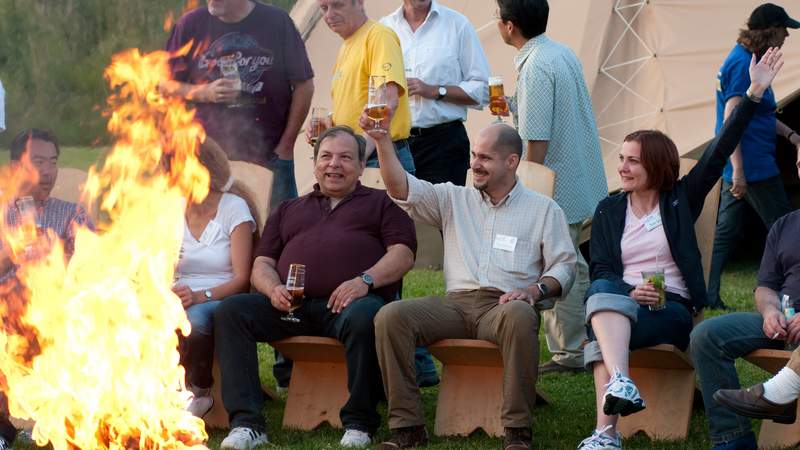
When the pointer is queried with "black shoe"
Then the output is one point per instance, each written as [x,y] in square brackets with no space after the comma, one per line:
[409,437]
[517,439]
[554,367]
[750,402]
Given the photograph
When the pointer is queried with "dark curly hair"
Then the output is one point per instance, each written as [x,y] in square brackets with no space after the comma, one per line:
[758,41]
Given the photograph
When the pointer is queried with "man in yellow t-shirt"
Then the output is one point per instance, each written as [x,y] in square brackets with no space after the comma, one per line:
[369,48]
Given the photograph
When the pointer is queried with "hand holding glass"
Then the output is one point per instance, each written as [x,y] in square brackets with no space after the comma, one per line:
[230,71]
[656,278]
[295,284]
[377,106]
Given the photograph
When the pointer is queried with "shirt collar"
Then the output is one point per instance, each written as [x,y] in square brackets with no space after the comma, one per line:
[397,15]
[357,192]
[508,199]
[363,29]
[526,50]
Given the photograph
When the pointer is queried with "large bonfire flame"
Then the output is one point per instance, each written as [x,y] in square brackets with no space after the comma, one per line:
[88,347]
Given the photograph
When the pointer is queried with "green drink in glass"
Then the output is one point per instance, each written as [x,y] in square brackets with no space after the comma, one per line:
[656,278]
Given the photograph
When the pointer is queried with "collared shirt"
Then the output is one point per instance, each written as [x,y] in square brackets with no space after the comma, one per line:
[552,104]
[61,217]
[443,51]
[506,246]
[336,244]
[373,49]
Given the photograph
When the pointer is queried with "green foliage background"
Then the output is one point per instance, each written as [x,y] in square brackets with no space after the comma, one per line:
[53,52]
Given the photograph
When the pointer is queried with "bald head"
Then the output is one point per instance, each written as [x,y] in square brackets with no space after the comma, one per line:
[502,138]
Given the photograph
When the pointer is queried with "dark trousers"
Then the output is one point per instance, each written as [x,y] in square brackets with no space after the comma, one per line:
[767,198]
[441,153]
[242,320]
[7,430]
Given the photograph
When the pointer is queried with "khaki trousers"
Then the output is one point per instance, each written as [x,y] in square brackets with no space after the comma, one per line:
[794,361]
[402,326]
[564,325]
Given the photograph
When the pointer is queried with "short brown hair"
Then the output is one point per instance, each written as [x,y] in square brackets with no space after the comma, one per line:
[659,158]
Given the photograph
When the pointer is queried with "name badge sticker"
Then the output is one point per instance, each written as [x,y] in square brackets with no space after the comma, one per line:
[505,242]
[652,222]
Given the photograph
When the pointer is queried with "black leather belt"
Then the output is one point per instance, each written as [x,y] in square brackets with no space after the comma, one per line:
[416,131]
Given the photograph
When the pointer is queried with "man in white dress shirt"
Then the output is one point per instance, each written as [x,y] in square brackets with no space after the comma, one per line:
[446,72]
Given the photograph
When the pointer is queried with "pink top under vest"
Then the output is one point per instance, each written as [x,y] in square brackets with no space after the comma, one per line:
[644,250]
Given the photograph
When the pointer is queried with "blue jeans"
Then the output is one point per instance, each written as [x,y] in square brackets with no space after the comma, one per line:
[197,350]
[403,154]
[767,198]
[284,186]
[671,325]
[716,343]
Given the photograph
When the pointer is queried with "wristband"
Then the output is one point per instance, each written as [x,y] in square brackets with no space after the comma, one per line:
[753,97]
[789,136]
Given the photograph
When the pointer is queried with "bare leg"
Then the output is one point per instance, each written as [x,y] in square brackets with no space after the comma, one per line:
[613,332]
[601,377]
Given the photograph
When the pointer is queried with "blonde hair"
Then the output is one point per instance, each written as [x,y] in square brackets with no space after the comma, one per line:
[214,159]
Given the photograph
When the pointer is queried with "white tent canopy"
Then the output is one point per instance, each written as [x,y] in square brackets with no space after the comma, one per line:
[648,63]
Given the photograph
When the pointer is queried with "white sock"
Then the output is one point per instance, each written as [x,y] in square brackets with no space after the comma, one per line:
[783,388]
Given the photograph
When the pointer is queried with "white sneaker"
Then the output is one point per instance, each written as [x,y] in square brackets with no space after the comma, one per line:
[4,445]
[599,440]
[243,438]
[201,402]
[622,396]
[355,439]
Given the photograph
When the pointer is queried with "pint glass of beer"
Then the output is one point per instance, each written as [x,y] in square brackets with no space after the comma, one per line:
[377,107]
[497,98]
[318,117]
[295,284]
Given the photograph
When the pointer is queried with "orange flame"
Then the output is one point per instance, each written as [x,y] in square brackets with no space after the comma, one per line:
[89,345]
[169,21]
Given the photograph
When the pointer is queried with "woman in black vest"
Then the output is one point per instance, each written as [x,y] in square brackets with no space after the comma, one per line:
[649,227]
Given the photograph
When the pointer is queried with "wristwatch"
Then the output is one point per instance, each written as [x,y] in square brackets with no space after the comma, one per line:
[542,290]
[367,279]
[207,294]
[442,92]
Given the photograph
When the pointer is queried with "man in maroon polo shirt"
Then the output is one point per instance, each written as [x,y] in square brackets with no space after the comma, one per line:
[356,245]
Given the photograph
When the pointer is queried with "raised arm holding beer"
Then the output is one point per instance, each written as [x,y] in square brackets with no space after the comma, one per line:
[494,283]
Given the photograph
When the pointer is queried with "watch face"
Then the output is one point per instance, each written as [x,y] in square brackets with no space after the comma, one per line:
[207,293]
[367,279]
[442,91]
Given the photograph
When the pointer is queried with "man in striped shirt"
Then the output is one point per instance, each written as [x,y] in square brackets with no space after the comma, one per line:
[36,152]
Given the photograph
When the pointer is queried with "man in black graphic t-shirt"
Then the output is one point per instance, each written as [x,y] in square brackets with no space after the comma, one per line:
[245,66]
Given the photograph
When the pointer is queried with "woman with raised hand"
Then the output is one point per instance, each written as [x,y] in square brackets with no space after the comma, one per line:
[648,229]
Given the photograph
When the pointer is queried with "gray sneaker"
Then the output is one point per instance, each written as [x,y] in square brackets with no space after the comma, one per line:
[599,440]
[4,445]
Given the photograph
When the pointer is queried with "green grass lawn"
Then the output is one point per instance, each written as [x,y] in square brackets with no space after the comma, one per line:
[560,425]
